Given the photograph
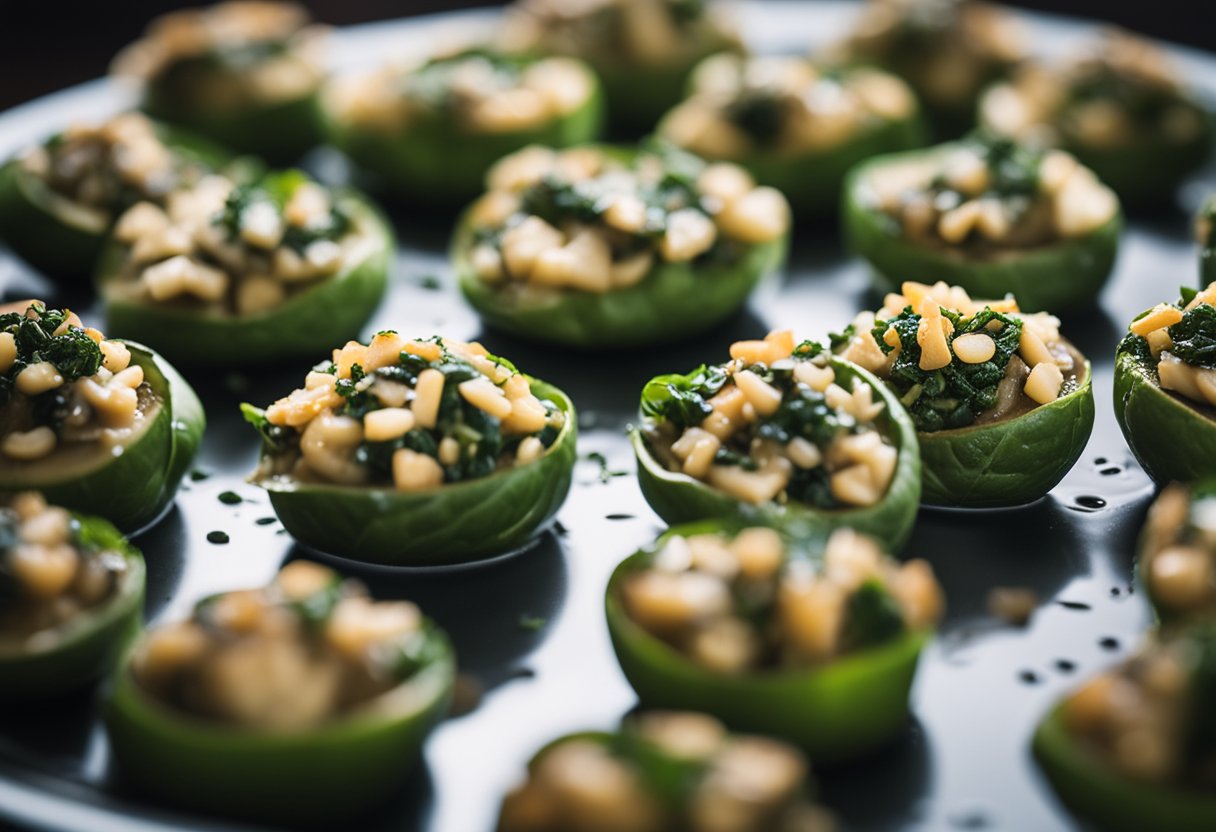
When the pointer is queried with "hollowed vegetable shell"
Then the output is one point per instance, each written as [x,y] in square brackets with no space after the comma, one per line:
[279,133]
[679,498]
[1116,804]
[1010,462]
[131,490]
[331,311]
[456,523]
[837,712]
[310,777]
[88,647]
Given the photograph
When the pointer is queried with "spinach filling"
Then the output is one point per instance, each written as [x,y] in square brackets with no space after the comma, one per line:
[74,354]
[276,190]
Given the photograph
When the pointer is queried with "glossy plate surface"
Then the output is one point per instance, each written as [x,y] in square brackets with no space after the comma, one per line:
[530,628]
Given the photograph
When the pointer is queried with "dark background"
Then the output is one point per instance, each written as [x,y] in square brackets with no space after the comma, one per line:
[48,45]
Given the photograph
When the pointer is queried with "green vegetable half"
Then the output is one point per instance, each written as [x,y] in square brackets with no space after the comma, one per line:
[133,488]
[1171,437]
[837,712]
[89,645]
[1150,172]
[638,95]
[1062,276]
[679,498]
[280,133]
[1114,803]
[436,160]
[456,523]
[314,776]
[332,310]
[1010,462]
[55,235]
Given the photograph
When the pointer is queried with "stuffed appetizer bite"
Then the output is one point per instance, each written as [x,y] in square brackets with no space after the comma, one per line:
[98,425]
[1133,748]
[600,247]
[811,642]
[782,434]
[261,271]
[1002,403]
[71,597]
[792,124]
[245,73]
[416,453]
[305,700]
[1165,387]
[1177,559]
[947,51]
[619,782]
[1122,109]
[642,50]
[58,199]
[430,130]
[990,216]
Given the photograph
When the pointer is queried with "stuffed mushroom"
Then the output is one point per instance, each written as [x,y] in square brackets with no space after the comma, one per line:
[989,215]
[228,273]
[1177,561]
[1122,109]
[814,643]
[1135,748]
[618,782]
[302,701]
[792,124]
[71,597]
[1165,387]
[642,50]
[100,426]
[58,199]
[604,248]
[416,453]
[781,434]
[245,73]
[1002,403]
[431,130]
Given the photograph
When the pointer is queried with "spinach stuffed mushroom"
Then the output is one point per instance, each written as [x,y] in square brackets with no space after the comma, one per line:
[245,73]
[616,782]
[598,247]
[100,426]
[781,434]
[59,198]
[642,50]
[947,51]
[431,130]
[817,644]
[1122,109]
[302,701]
[1002,403]
[1134,748]
[416,453]
[1177,561]
[229,273]
[71,596]
[989,215]
[792,124]
[1165,387]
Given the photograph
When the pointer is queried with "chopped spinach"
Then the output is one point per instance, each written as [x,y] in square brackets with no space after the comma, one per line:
[74,354]
[681,399]
[276,189]
[872,617]
[276,437]
[1194,337]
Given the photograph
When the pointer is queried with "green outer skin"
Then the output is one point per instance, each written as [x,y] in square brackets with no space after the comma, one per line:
[837,712]
[312,777]
[679,498]
[1207,265]
[1114,803]
[279,133]
[32,225]
[1060,277]
[133,489]
[437,161]
[984,466]
[89,648]
[674,301]
[457,523]
[812,182]
[1153,420]
[333,310]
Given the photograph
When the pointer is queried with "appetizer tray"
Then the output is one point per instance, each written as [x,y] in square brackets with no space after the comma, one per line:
[529,628]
